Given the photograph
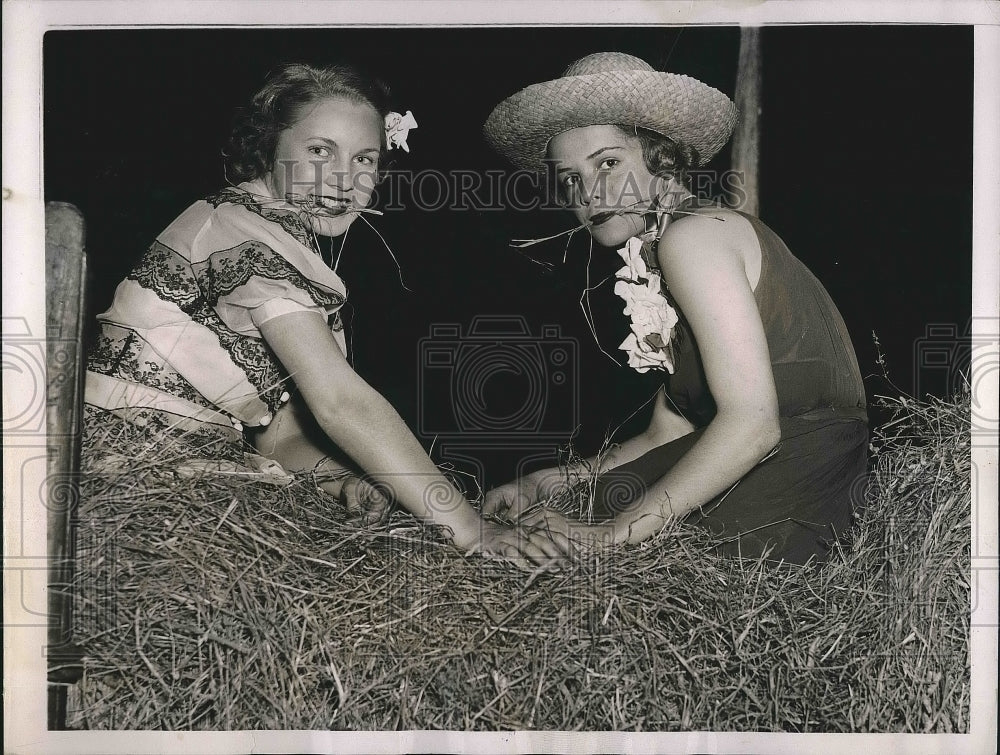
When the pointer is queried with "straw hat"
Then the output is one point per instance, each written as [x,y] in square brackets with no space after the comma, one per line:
[610,88]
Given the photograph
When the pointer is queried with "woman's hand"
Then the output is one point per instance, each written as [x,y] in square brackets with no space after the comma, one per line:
[367,505]
[524,547]
[569,535]
[509,500]
[517,496]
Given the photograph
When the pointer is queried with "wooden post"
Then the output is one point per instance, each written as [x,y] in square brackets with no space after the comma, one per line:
[744,192]
[66,274]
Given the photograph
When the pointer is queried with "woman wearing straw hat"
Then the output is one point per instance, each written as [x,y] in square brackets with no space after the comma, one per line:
[759,432]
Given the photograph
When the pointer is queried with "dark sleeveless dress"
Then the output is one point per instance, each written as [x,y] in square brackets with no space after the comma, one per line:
[799,499]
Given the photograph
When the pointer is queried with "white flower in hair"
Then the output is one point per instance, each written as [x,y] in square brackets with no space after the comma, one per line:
[397,128]
[653,319]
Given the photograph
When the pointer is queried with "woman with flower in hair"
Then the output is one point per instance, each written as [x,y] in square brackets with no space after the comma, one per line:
[759,432]
[227,332]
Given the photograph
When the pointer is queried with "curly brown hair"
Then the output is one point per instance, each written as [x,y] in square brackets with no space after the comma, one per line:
[663,156]
[279,104]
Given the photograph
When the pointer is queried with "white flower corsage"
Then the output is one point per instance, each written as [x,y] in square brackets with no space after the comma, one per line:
[653,319]
[397,127]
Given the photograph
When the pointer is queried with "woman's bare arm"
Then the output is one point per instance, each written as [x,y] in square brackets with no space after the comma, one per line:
[368,429]
[704,263]
[665,425]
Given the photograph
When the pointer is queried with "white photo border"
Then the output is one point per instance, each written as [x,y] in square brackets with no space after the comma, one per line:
[25,21]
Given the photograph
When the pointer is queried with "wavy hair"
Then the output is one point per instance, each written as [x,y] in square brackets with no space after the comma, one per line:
[663,156]
[280,103]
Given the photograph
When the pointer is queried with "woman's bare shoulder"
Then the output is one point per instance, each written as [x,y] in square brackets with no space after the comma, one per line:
[707,233]
[705,223]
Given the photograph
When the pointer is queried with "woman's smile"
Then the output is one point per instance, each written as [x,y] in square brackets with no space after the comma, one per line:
[329,159]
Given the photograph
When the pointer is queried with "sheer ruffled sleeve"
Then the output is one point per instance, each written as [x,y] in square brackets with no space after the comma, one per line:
[197,299]
[253,283]
[251,269]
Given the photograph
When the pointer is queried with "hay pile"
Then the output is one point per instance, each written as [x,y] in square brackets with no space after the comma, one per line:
[207,604]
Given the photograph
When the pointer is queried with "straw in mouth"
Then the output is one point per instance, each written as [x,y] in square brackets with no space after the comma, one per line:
[316,204]
[601,217]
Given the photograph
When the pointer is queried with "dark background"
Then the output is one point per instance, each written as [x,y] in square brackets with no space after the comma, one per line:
[866,172]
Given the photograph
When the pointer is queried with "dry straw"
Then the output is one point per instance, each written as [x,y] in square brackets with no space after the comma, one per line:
[219,604]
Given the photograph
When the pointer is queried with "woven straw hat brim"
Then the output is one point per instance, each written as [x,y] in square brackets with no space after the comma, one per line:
[671,104]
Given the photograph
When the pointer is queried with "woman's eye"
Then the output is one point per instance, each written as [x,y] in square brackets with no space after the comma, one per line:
[609,163]
[320,151]
[570,181]
[365,160]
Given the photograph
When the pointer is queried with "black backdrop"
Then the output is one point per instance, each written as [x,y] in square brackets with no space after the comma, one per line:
[866,173]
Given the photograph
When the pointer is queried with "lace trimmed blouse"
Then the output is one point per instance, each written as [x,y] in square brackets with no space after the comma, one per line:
[183,332]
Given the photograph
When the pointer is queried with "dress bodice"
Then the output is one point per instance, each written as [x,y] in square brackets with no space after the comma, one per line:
[812,357]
